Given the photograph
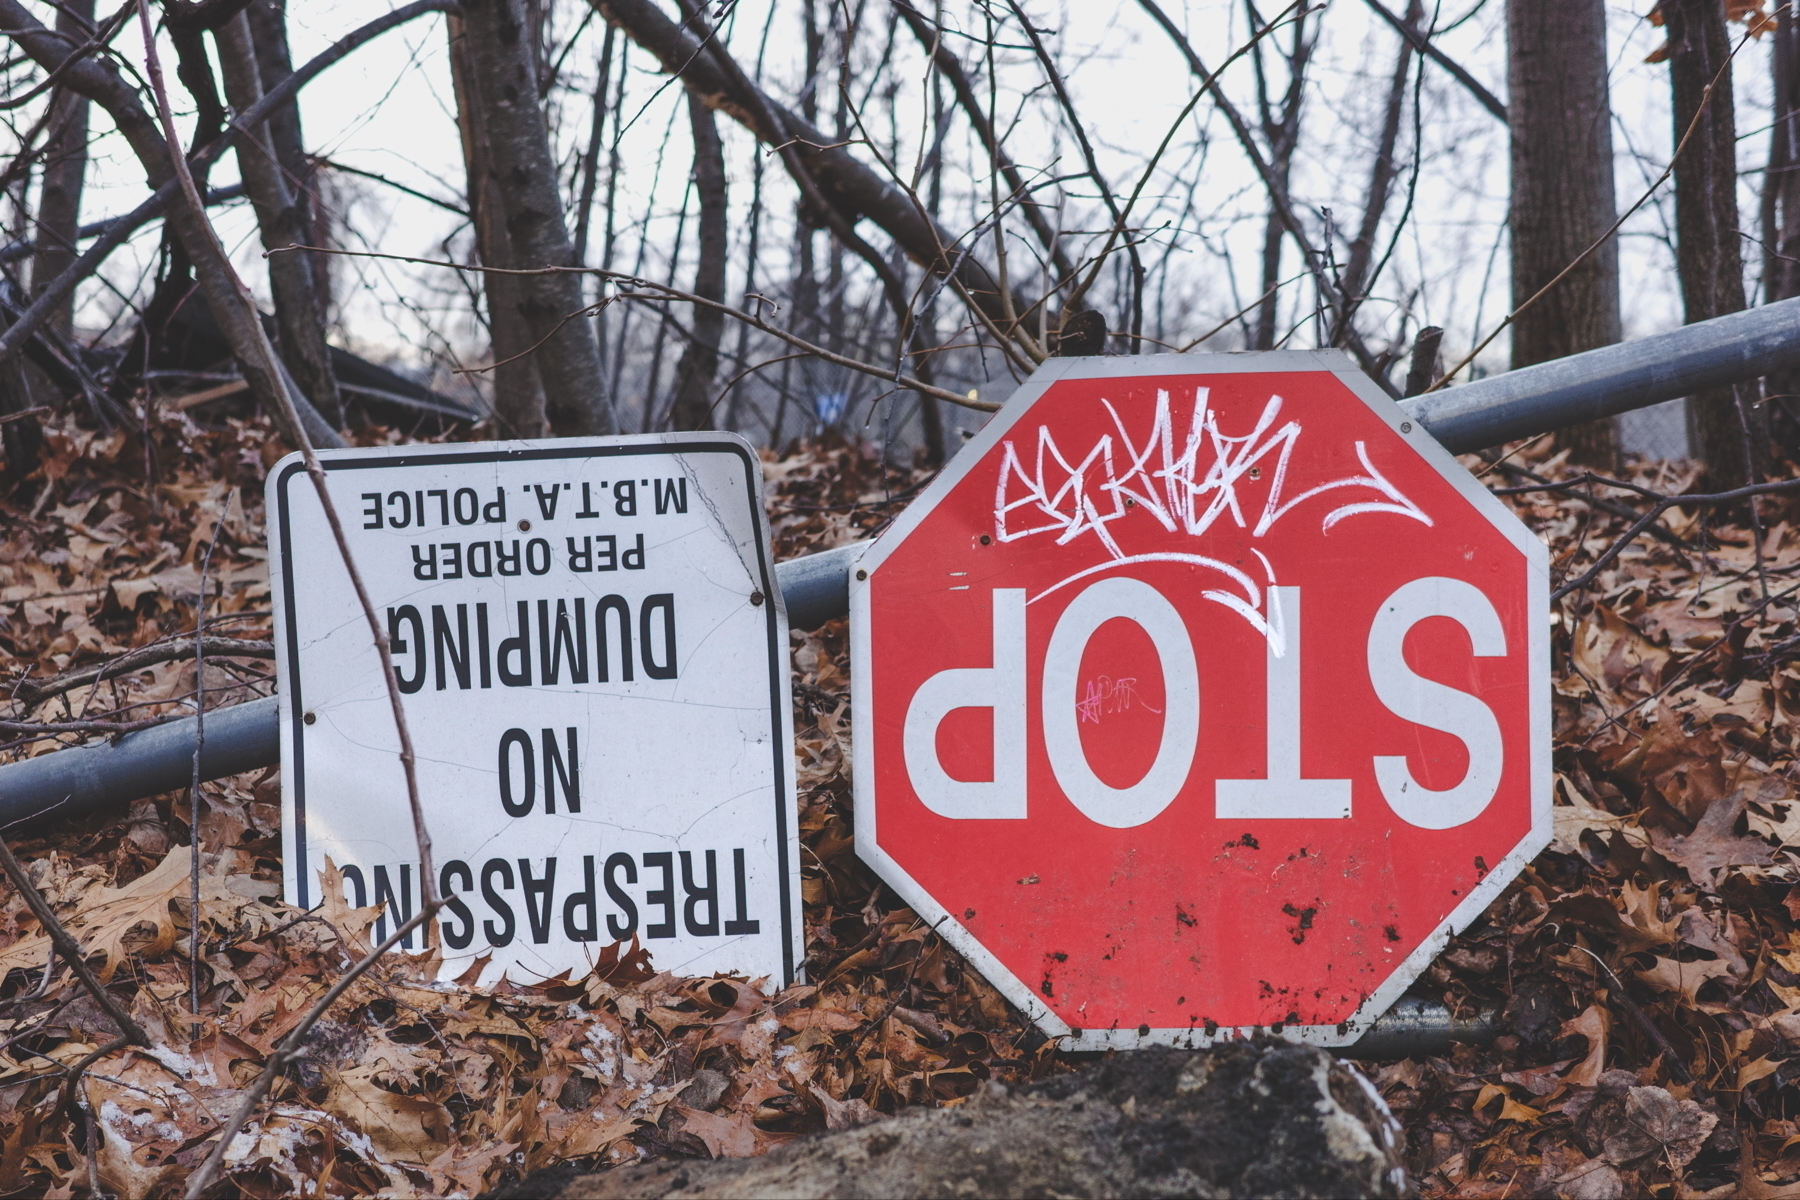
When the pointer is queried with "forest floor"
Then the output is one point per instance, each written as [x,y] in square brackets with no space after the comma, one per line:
[1646,966]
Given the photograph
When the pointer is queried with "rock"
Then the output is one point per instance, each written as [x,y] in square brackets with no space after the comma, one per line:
[1252,1119]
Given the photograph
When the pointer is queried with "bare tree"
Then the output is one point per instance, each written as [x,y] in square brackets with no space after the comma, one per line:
[1560,117]
[1727,427]
[503,70]
[65,169]
[238,322]
[280,217]
[519,406]
[699,362]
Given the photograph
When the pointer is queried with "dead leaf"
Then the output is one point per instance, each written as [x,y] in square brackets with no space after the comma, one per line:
[1684,978]
[1713,847]
[103,926]
[408,1126]
[1592,1024]
[1654,1122]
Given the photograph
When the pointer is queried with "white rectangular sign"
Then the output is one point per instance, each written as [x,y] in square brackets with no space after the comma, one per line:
[593,652]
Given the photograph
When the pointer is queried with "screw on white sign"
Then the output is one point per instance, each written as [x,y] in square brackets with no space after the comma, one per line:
[597,688]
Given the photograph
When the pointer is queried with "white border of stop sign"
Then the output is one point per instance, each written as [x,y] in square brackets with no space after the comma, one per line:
[1282,794]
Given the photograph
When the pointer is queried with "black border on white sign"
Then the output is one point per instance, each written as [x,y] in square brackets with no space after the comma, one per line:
[781,747]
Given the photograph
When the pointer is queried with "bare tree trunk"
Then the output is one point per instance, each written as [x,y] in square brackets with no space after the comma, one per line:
[236,317]
[1727,426]
[700,361]
[924,334]
[298,321]
[1781,216]
[1381,180]
[590,163]
[501,58]
[65,169]
[1281,130]
[518,391]
[268,29]
[1562,194]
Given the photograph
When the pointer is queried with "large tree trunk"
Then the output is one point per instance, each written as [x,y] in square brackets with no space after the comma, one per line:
[1781,216]
[1727,426]
[699,362]
[501,61]
[268,28]
[65,169]
[279,216]
[518,391]
[1562,194]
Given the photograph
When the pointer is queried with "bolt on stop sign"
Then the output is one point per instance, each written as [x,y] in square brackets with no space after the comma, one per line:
[1198,699]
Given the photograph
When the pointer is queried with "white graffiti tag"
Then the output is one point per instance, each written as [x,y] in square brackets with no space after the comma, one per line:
[1185,489]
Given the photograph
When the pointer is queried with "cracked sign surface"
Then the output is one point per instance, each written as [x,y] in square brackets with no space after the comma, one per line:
[594,658]
[1201,695]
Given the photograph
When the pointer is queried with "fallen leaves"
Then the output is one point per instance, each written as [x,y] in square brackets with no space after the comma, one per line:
[1646,968]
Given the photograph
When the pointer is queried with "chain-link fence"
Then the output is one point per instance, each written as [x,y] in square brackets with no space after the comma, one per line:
[1659,431]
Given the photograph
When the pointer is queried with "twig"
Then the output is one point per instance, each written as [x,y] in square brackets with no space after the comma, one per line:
[194,789]
[93,1147]
[1278,193]
[1207,84]
[68,947]
[1629,1005]
[1668,685]
[46,728]
[1422,41]
[288,1051]
[666,292]
[1238,315]
[1541,483]
[285,392]
[111,26]
[132,661]
[1662,506]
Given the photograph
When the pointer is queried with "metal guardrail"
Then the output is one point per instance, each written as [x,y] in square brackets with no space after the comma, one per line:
[1615,379]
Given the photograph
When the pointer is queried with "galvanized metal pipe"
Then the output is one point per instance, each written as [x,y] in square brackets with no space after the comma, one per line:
[1416,1026]
[1500,408]
[1606,382]
[246,737]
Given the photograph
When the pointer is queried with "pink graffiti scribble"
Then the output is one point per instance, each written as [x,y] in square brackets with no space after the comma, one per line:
[1105,695]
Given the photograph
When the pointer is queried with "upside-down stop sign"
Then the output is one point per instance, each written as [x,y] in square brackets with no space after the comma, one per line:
[1202,694]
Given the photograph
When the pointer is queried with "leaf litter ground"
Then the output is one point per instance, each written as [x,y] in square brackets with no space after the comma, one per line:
[1645,969]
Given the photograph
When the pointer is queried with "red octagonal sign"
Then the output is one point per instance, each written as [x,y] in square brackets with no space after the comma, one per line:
[1201,695]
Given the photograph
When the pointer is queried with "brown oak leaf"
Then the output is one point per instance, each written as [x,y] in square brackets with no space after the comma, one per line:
[1713,847]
